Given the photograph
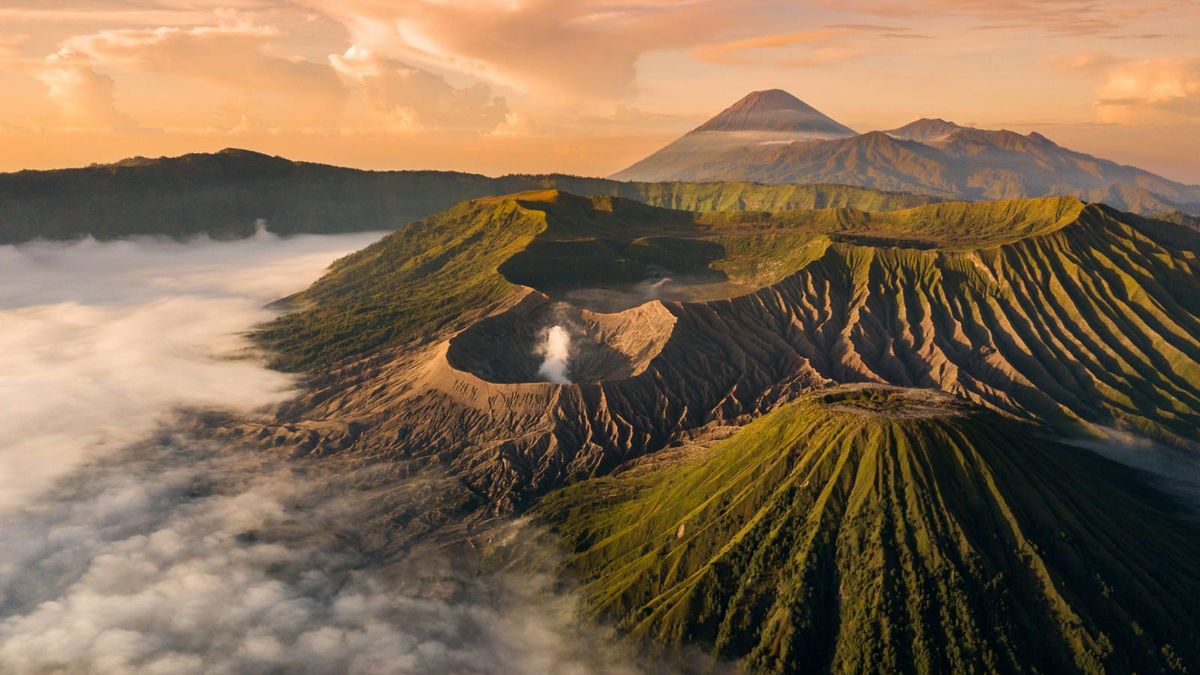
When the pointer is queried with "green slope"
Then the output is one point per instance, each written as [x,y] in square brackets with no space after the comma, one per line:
[441,270]
[885,530]
[225,193]
[1044,309]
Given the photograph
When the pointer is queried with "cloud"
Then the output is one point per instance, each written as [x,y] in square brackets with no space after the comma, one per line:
[416,97]
[1063,17]
[101,340]
[1174,472]
[821,47]
[84,97]
[10,45]
[1162,90]
[134,542]
[1150,90]
[1087,63]
[234,53]
[183,556]
[582,50]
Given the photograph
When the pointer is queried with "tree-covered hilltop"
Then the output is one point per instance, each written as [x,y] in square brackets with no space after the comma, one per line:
[224,194]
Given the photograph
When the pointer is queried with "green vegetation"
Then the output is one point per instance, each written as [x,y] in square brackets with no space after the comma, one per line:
[889,531]
[431,276]
[1042,308]
[225,193]
[846,530]
[441,271]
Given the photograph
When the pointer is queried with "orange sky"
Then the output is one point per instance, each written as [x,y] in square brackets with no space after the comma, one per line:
[586,87]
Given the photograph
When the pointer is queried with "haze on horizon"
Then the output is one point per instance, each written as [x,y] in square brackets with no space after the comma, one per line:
[584,87]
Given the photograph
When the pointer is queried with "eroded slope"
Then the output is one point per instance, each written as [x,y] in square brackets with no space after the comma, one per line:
[1046,309]
[883,530]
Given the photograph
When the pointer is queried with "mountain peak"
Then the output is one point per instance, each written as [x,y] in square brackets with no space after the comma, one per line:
[770,99]
[926,130]
[775,110]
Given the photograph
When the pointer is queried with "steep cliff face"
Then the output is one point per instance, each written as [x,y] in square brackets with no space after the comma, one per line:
[868,529]
[1051,311]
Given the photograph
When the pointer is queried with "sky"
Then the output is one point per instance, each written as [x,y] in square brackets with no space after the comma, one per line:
[582,86]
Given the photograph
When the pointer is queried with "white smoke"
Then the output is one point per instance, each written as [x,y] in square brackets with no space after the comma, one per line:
[555,349]
[652,290]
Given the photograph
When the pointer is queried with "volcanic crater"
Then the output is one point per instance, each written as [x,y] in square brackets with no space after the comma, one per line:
[504,348]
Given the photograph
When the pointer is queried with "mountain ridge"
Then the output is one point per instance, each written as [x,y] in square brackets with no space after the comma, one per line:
[223,194]
[930,156]
[760,119]
[429,334]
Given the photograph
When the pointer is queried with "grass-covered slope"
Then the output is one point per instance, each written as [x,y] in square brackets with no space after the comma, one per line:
[445,267]
[883,530]
[434,275]
[225,193]
[1044,309]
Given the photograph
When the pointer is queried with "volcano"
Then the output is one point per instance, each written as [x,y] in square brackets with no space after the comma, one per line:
[868,529]
[760,119]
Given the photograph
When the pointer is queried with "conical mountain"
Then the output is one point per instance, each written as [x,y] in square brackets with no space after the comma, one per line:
[888,530]
[760,119]
[774,110]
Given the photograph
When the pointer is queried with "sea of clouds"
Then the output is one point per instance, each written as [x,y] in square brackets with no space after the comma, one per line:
[132,546]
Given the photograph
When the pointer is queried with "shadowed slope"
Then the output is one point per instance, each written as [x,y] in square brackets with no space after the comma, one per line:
[952,163]
[890,530]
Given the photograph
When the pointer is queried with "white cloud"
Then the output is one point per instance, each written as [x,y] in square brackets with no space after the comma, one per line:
[576,50]
[1151,90]
[417,98]
[133,546]
[84,97]
[101,340]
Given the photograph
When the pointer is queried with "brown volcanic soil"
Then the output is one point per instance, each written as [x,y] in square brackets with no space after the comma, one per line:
[614,346]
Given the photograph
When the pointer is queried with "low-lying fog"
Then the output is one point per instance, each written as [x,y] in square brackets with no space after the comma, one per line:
[127,545]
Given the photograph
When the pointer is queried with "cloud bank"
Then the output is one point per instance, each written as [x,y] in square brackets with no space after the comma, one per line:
[136,543]
[182,557]
[101,340]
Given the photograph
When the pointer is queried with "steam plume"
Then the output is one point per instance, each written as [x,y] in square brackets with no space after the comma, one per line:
[556,350]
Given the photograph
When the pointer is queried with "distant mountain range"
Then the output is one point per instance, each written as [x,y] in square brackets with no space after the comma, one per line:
[773,137]
[223,194]
[769,151]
